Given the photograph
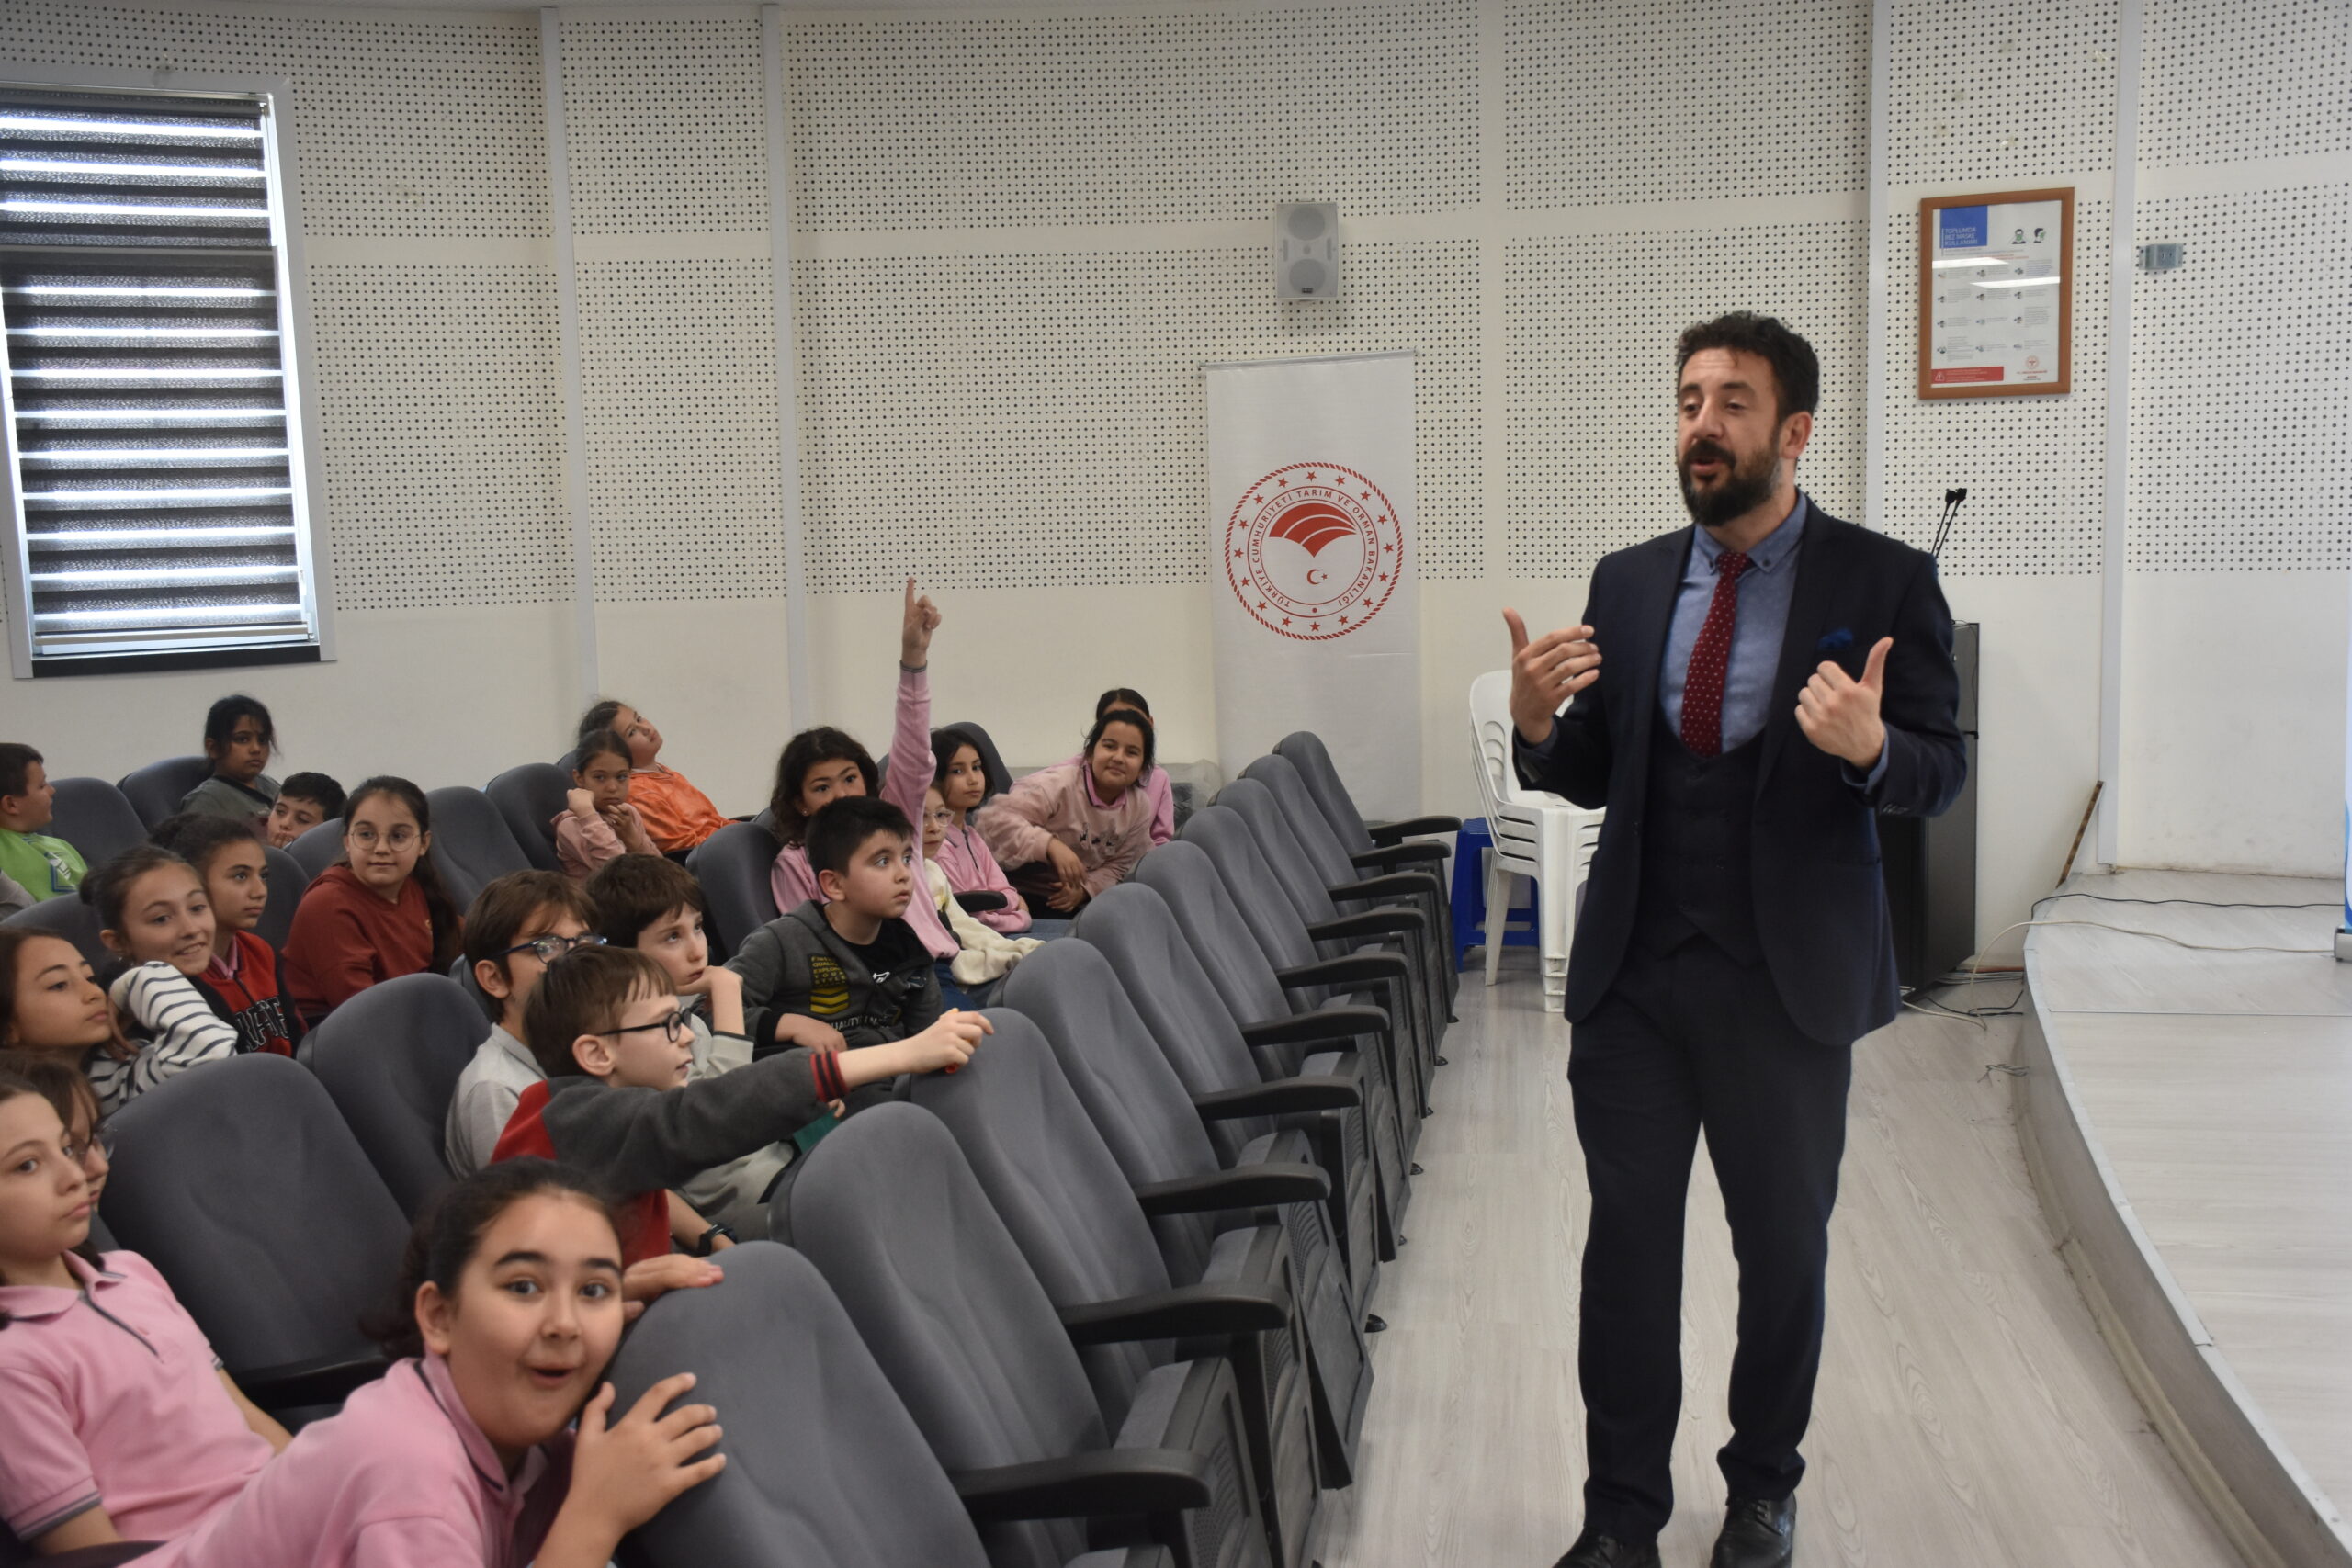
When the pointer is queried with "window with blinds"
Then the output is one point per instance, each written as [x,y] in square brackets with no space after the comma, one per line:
[150,409]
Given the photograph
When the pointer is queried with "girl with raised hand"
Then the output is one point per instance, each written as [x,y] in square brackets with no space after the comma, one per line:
[464,1454]
[377,913]
[239,739]
[823,764]
[1067,832]
[120,1425]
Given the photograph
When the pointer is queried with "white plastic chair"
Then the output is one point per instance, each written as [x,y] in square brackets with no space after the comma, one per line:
[1536,835]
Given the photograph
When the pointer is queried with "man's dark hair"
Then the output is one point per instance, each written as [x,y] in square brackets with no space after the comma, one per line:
[318,789]
[1796,371]
[17,762]
[632,892]
[842,828]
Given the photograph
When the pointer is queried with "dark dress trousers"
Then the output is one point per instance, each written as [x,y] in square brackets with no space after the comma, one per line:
[1733,944]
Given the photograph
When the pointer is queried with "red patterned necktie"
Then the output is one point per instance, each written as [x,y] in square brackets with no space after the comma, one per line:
[1702,688]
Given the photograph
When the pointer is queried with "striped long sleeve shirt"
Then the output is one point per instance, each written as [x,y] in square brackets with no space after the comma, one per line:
[176,1028]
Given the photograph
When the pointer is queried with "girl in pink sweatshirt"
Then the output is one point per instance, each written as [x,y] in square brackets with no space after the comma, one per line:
[822,764]
[598,824]
[1068,831]
[962,782]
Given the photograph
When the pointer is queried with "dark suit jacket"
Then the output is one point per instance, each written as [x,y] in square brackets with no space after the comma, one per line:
[1820,902]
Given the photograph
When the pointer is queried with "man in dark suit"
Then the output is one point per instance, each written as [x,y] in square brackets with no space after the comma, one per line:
[1774,678]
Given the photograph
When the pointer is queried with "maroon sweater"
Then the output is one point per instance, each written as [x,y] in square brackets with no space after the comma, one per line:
[347,939]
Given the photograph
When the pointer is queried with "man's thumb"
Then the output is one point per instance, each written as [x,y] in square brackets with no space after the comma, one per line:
[1517,629]
[1875,668]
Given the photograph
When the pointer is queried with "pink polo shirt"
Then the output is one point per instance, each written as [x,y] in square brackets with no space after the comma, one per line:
[112,1398]
[401,1479]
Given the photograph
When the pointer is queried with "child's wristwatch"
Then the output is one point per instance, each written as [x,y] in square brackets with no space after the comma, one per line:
[709,1238]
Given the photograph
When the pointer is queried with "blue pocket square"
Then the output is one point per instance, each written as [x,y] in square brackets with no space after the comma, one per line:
[1836,641]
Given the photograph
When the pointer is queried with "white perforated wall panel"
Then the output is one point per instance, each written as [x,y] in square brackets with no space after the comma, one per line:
[1629,100]
[678,360]
[2001,89]
[441,423]
[1589,442]
[665,125]
[1039,420]
[2226,80]
[428,126]
[986,123]
[2241,388]
[2035,467]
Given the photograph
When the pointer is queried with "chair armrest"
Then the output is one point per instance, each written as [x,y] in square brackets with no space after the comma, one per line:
[1243,1186]
[322,1379]
[1422,850]
[1283,1097]
[1405,828]
[1088,1486]
[1355,968]
[1323,1026]
[1389,919]
[1395,884]
[1180,1312]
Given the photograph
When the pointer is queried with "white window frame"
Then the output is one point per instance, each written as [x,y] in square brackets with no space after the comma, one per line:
[300,391]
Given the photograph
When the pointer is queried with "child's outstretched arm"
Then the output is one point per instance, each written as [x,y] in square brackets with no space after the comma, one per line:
[911,728]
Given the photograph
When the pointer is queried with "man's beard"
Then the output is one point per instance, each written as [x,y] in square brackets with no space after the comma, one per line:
[1744,487]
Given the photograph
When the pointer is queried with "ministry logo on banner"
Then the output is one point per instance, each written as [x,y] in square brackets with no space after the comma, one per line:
[1312,551]
[1311,519]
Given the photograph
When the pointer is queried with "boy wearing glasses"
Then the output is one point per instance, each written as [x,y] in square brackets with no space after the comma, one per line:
[621,1101]
[518,925]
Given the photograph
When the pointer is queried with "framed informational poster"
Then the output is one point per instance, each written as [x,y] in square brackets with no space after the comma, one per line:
[1996,294]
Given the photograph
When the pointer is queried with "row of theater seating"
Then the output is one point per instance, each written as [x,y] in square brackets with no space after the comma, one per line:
[1099,1298]
[478,835]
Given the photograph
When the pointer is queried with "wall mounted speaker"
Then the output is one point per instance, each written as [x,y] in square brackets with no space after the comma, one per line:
[1306,250]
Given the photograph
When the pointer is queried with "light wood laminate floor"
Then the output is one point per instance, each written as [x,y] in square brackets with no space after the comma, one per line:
[2219,1085]
[1969,1416]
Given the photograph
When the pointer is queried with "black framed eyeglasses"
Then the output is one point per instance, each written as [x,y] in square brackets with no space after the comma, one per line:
[547,949]
[673,1027]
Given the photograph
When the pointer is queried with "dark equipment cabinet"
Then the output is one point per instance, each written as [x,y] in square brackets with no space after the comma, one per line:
[1930,861]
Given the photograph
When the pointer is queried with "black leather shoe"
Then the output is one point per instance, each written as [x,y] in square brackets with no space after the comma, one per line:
[1594,1550]
[1757,1533]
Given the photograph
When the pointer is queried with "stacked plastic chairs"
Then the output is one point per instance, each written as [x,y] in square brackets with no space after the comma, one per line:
[1538,836]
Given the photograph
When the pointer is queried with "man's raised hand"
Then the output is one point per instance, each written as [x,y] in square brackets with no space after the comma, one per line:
[1545,673]
[1840,714]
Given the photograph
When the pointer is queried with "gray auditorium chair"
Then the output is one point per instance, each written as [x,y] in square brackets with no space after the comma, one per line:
[70,917]
[825,1469]
[889,1211]
[1156,1131]
[1308,753]
[1417,877]
[318,848]
[528,797]
[156,790]
[1393,981]
[472,846]
[93,817]
[240,1183]
[1264,964]
[288,882]
[1318,906]
[390,1058]
[1251,1005]
[732,866]
[1327,1096]
[999,776]
[1085,1234]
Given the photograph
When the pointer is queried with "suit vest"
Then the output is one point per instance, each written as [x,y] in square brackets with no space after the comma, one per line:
[1697,873]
